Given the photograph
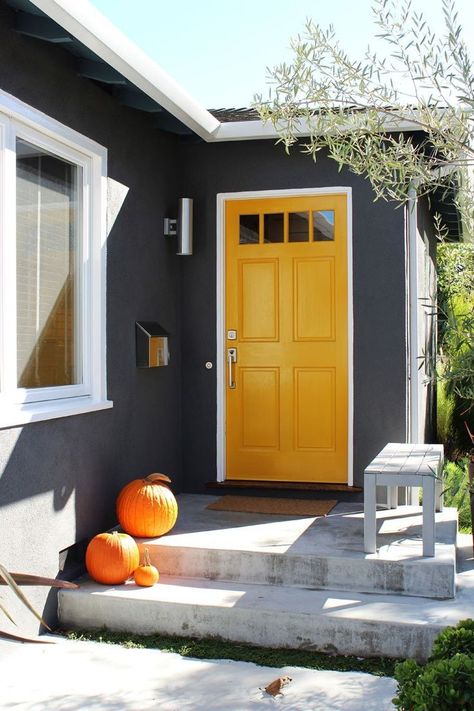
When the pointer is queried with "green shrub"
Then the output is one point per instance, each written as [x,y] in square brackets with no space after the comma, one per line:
[442,685]
[407,674]
[456,491]
[454,640]
[445,404]
[455,367]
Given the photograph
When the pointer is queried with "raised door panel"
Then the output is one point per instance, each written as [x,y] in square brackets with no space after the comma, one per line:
[260,408]
[313,294]
[258,299]
[314,408]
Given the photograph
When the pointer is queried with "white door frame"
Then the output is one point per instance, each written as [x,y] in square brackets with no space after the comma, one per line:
[220,294]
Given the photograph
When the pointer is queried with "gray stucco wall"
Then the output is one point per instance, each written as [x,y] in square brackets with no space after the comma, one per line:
[59,479]
[379,296]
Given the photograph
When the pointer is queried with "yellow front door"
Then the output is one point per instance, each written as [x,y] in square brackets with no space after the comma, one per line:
[286,339]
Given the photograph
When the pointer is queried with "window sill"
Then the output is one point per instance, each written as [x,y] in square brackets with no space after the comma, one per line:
[17,415]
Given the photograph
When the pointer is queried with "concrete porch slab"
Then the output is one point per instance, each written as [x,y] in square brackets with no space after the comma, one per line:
[321,553]
[274,615]
[268,615]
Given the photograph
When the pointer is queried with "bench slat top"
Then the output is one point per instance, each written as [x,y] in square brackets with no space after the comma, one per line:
[419,459]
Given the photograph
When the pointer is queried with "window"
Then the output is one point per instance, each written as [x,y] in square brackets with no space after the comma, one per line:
[52,297]
[283,227]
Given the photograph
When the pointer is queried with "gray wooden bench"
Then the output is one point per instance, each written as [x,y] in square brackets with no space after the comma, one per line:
[405,465]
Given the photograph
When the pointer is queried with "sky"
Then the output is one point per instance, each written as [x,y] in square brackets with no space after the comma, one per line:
[219,51]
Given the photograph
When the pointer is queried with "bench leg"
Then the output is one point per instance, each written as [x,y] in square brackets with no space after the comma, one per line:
[429,518]
[413,496]
[392,497]
[369,514]
[439,494]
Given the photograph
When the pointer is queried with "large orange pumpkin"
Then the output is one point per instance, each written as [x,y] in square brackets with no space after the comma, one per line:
[147,507]
[111,558]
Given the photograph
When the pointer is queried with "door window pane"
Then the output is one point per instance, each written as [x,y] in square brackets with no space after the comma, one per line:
[323,225]
[249,229]
[298,227]
[48,225]
[273,228]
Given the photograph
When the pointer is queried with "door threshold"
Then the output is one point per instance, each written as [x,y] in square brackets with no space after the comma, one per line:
[288,485]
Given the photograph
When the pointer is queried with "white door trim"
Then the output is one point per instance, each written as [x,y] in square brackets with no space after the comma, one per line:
[414,373]
[220,316]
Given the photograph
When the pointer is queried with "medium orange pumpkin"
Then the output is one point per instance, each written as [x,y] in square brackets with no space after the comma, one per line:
[146,574]
[147,507]
[111,558]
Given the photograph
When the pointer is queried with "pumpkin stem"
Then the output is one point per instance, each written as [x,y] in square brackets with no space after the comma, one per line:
[158,477]
[146,557]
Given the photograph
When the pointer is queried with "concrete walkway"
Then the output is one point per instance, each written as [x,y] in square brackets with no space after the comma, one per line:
[71,676]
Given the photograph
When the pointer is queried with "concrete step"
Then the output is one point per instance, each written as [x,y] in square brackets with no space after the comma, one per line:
[421,577]
[324,553]
[265,615]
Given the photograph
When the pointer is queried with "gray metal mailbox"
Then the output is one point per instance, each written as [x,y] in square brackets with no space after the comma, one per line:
[151,344]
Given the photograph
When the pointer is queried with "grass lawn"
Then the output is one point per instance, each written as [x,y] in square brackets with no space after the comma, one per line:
[219,649]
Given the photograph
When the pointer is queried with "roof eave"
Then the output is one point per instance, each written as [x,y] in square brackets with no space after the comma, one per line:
[84,22]
[89,26]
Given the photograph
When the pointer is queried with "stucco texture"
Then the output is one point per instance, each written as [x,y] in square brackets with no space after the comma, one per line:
[59,479]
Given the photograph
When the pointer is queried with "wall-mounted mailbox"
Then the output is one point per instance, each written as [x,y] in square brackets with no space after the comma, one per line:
[151,344]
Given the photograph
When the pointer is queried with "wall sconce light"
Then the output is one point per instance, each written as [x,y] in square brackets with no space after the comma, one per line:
[182,227]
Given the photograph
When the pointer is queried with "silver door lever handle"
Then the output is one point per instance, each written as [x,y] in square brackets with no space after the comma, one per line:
[231,359]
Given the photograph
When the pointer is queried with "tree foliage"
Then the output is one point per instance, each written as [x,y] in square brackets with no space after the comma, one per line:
[355,109]
[455,263]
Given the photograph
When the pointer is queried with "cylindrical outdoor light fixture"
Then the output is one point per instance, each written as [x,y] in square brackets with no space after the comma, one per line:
[181,227]
[185,226]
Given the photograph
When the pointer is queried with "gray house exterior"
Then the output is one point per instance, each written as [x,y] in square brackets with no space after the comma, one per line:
[59,477]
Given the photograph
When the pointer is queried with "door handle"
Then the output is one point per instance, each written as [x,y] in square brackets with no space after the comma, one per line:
[231,359]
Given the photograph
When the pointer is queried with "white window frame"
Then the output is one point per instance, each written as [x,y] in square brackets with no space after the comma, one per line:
[19,406]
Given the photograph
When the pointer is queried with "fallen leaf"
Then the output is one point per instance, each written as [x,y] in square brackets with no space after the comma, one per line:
[275,687]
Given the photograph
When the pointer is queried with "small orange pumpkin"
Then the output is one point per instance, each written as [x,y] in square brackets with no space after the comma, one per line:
[147,507]
[146,574]
[111,558]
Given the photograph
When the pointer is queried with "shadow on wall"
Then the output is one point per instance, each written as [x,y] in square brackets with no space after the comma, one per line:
[50,500]
[59,477]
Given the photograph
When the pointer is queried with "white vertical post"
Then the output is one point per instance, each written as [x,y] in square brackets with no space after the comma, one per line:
[370,516]
[428,516]
[412,493]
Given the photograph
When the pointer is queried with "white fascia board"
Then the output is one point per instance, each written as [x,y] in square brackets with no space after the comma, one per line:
[84,22]
[249,131]
[254,130]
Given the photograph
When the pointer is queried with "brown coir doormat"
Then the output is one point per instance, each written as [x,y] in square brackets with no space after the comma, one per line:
[285,507]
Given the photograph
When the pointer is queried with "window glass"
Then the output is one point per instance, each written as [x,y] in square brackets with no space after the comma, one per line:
[298,227]
[249,229]
[48,213]
[323,225]
[273,227]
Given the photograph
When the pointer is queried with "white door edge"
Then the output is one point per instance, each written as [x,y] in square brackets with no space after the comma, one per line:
[222,198]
